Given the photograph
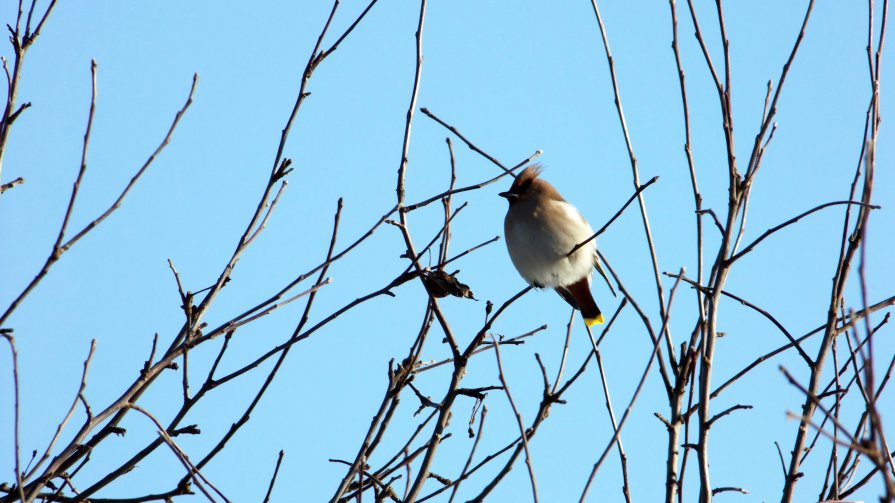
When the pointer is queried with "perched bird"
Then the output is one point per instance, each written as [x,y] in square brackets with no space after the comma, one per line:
[541,228]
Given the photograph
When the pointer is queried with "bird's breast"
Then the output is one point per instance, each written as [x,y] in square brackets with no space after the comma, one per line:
[539,239]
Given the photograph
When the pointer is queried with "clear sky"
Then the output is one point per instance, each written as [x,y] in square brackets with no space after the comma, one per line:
[514,77]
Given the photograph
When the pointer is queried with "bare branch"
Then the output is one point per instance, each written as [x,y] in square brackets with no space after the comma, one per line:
[621,424]
[635,171]
[614,217]
[465,470]
[198,479]
[522,433]
[471,145]
[158,150]
[7,334]
[727,411]
[793,220]
[79,396]
[273,477]
[476,186]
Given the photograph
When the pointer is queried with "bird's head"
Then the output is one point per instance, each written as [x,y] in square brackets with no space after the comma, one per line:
[525,184]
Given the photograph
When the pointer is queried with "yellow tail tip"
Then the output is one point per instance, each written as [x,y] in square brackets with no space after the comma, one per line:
[594,321]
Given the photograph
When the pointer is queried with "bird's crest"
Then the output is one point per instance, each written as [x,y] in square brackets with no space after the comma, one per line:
[525,177]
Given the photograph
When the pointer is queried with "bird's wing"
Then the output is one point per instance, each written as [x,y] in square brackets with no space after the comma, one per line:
[567,296]
[599,269]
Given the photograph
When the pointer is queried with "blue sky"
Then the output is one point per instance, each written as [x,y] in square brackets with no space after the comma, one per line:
[514,78]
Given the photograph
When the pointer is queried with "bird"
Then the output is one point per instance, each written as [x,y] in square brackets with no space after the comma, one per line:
[541,229]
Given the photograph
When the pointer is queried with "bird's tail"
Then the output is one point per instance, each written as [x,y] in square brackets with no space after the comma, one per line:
[578,296]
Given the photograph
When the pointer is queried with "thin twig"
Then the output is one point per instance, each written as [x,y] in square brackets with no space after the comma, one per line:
[814,399]
[273,204]
[59,248]
[761,311]
[469,144]
[614,217]
[793,220]
[547,401]
[465,470]
[715,219]
[522,433]
[621,424]
[485,346]
[191,469]
[654,338]
[565,350]
[635,171]
[476,186]
[71,410]
[623,458]
[451,394]
[20,44]
[158,150]
[7,334]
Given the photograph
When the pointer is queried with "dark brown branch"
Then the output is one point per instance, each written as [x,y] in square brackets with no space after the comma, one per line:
[654,338]
[226,327]
[614,217]
[273,478]
[816,401]
[485,346]
[451,394]
[7,334]
[757,150]
[59,248]
[20,41]
[761,311]
[270,209]
[719,490]
[79,396]
[851,241]
[635,171]
[715,219]
[467,251]
[193,471]
[29,36]
[273,372]
[726,412]
[793,220]
[158,150]
[15,115]
[623,458]
[705,50]
[465,470]
[446,203]
[279,166]
[410,253]
[544,409]
[861,483]
[441,232]
[166,497]
[852,319]
[387,468]
[522,434]
[323,54]
[625,415]
[469,144]
[472,187]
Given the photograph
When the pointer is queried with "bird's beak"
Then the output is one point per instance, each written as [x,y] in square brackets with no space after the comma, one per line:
[510,196]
